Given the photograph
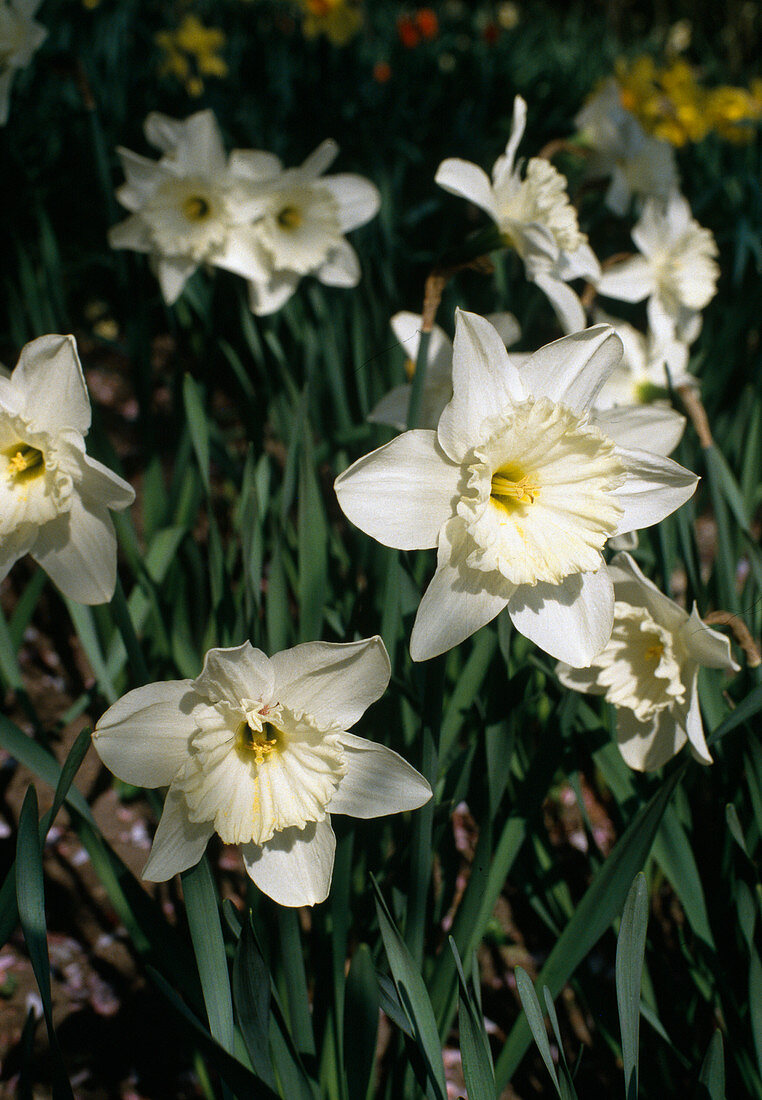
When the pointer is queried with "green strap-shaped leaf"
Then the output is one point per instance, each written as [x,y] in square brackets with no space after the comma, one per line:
[251,993]
[712,1076]
[411,990]
[474,1043]
[629,972]
[536,1022]
[360,1023]
[206,933]
[600,905]
[198,426]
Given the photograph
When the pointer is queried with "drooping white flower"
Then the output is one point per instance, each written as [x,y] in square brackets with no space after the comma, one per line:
[519,491]
[191,207]
[639,165]
[20,37]
[675,270]
[54,498]
[256,749]
[648,369]
[392,409]
[302,218]
[535,217]
[649,668]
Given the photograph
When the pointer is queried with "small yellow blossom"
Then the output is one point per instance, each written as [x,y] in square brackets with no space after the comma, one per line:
[192,52]
[338,20]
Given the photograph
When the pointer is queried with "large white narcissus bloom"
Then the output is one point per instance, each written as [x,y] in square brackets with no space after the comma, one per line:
[20,36]
[535,217]
[302,218]
[519,490]
[256,749]
[649,668]
[675,270]
[193,206]
[54,498]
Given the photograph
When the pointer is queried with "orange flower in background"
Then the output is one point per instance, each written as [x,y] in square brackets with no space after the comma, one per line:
[408,32]
[382,72]
[427,23]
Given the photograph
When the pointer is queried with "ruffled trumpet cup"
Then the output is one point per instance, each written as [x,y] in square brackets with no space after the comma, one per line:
[518,489]
[257,749]
[648,670]
[54,498]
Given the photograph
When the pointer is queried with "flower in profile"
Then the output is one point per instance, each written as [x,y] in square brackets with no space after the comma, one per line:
[302,218]
[338,20]
[534,216]
[519,491]
[20,37]
[639,165]
[192,52]
[675,270]
[649,668]
[437,389]
[190,207]
[54,498]
[256,749]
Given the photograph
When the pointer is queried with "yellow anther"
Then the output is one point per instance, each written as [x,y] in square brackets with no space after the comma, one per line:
[24,462]
[509,491]
[196,208]
[654,652]
[289,218]
[257,742]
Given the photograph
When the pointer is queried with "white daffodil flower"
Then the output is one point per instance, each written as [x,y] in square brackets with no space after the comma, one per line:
[676,270]
[256,749]
[649,670]
[640,166]
[191,207]
[518,490]
[535,217]
[648,369]
[54,498]
[303,216]
[20,37]
[437,388]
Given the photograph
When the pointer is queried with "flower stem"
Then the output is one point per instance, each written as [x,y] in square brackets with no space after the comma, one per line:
[124,625]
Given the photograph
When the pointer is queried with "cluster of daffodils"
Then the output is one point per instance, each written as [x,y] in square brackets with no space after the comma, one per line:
[338,20]
[257,750]
[244,212]
[20,37]
[191,52]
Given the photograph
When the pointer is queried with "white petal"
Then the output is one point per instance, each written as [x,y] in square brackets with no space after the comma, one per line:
[178,842]
[143,738]
[268,297]
[572,370]
[357,198]
[694,727]
[392,409]
[506,326]
[318,161]
[377,781]
[484,381]
[407,328]
[461,177]
[572,620]
[706,646]
[194,144]
[132,233]
[173,274]
[631,280]
[633,587]
[654,428]
[646,746]
[78,552]
[50,375]
[240,672]
[13,546]
[518,125]
[254,165]
[341,268]
[102,486]
[296,866]
[142,178]
[579,679]
[565,301]
[582,263]
[458,600]
[243,254]
[654,487]
[334,682]
[402,493]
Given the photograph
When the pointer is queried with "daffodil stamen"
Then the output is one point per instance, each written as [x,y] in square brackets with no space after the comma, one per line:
[510,489]
[196,208]
[290,217]
[259,743]
[24,463]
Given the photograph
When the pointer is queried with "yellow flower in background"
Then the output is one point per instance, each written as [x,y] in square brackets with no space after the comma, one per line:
[192,52]
[338,20]
[732,111]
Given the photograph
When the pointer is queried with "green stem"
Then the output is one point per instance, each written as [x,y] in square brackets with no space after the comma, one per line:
[124,625]
[419,380]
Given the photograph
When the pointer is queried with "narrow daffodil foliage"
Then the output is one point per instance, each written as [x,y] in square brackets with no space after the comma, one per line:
[649,668]
[392,409]
[639,166]
[256,749]
[54,498]
[20,37]
[534,216]
[675,269]
[519,490]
